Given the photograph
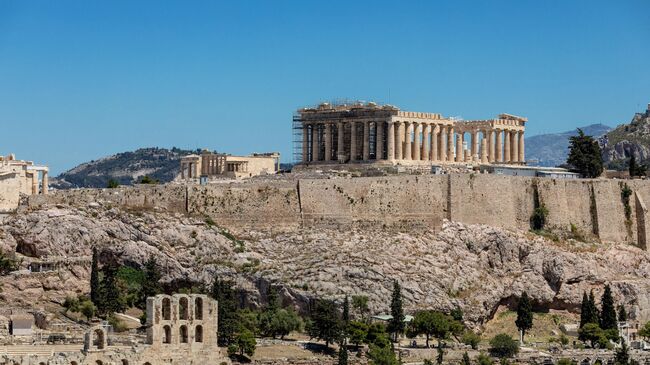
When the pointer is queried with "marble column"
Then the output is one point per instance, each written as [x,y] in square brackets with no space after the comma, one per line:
[353,141]
[522,155]
[426,141]
[499,146]
[340,149]
[34,182]
[45,183]
[399,144]
[475,144]
[460,153]
[328,142]
[379,141]
[514,147]
[484,151]
[417,146]
[366,141]
[390,141]
[408,142]
[490,142]
[183,164]
[506,149]
[314,143]
[450,144]
[434,142]
[305,147]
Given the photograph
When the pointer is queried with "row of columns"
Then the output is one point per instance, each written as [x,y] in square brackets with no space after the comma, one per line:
[191,168]
[411,141]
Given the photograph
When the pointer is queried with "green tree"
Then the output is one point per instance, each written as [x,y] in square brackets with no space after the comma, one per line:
[151,282]
[588,311]
[360,305]
[272,299]
[585,155]
[227,315]
[382,355]
[325,323]
[622,356]
[343,354]
[346,311]
[148,180]
[95,285]
[431,324]
[357,332]
[281,323]
[622,314]
[503,346]
[396,323]
[636,169]
[471,339]
[88,309]
[466,360]
[524,319]
[7,264]
[112,184]
[441,354]
[608,320]
[594,334]
[112,300]
[244,344]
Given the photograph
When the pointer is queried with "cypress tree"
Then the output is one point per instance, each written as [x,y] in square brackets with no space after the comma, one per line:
[396,324]
[95,285]
[346,311]
[594,314]
[273,299]
[343,354]
[633,169]
[524,320]
[584,309]
[111,299]
[151,284]
[227,315]
[608,311]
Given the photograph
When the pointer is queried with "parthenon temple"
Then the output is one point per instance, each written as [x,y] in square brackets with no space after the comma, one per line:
[368,132]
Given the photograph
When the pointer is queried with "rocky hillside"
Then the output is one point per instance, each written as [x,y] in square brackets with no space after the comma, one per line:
[628,140]
[477,268]
[552,149]
[126,168]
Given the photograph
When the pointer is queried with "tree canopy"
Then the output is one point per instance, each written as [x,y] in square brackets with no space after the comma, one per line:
[524,319]
[585,155]
[396,323]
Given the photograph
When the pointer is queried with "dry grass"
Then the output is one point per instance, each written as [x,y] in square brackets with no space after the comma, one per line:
[545,326]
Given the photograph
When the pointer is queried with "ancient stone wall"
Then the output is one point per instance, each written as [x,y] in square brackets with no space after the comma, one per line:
[586,207]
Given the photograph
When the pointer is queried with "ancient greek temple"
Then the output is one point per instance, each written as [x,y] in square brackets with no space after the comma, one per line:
[368,132]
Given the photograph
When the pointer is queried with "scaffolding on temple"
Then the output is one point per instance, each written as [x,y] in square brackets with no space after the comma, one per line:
[297,133]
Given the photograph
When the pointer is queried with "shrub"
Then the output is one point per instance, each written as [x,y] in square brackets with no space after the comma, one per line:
[503,345]
[471,339]
[538,219]
[112,184]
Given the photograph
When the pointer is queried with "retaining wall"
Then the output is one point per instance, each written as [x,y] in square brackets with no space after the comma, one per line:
[592,207]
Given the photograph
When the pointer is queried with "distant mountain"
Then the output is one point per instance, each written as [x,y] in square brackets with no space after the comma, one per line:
[627,140]
[127,167]
[552,149]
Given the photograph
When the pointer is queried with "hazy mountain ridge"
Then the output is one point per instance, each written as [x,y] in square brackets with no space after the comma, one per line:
[552,149]
[126,168]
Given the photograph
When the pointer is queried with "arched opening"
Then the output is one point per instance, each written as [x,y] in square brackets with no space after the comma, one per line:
[166,309]
[125,362]
[99,362]
[167,334]
[98,339]
[147,363]
[198,334]
[183,334]
[198,308]
[73,363]
[41,363]
[182,308]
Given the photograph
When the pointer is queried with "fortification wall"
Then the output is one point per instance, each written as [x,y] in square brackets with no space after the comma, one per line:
[396,201]
[588,207]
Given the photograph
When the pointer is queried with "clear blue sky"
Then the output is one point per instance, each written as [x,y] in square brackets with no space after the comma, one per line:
[84,79]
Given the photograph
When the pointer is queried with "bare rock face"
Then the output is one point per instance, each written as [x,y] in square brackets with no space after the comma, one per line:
[476,268]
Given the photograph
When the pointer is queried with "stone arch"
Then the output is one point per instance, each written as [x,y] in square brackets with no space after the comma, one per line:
[183,308]
[198,333]
[167,334]
[99,362]
[99,339]
[198,308]
[95,339]
[167,309]
[73,363]
[125,362]
[183,334]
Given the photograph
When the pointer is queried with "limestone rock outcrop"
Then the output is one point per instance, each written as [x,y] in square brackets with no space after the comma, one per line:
[474,267]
